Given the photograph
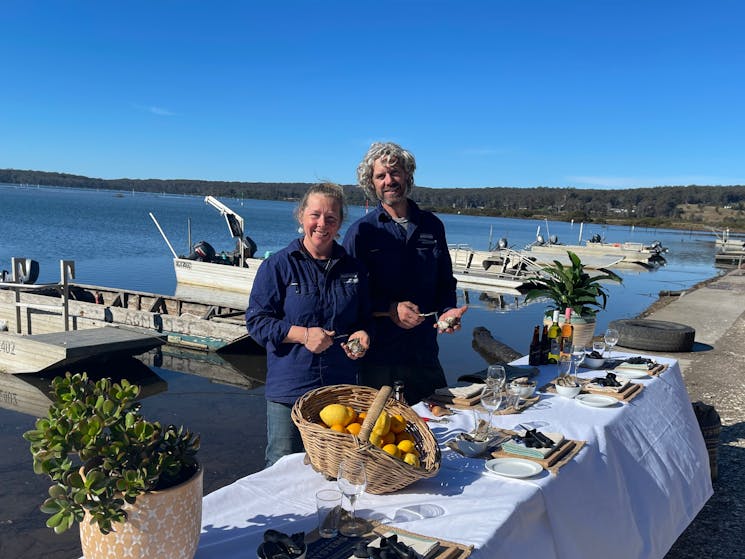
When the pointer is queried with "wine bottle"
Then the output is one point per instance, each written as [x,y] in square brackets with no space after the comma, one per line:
[534,354]
[554,339]
[567,333]
[545,345]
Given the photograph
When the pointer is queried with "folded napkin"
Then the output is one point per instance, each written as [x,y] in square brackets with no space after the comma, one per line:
[518,447]
[601,388]
[634,366]
[461,391]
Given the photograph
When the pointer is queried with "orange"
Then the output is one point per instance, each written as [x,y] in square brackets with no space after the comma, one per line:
[354,428]
[338,428]
[405,436]
[361,416]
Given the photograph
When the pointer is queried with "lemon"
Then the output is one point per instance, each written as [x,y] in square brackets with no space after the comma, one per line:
[376,439]
[354,428]
[391,449]
[335,414]
[383,424]
[412,459]
[398,423]
[352,414]
[406,446]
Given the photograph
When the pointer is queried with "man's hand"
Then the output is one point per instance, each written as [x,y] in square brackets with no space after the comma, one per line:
[405,315]
[452,318]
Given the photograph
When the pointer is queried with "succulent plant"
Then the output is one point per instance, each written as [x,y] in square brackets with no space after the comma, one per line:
[571,286]
[100,453]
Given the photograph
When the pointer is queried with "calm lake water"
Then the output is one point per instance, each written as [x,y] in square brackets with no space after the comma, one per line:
[114,243]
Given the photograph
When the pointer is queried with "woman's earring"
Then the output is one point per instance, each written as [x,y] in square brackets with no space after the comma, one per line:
[300,229]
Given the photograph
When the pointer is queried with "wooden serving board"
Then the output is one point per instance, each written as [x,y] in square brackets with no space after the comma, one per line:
[629,392]
[567,450]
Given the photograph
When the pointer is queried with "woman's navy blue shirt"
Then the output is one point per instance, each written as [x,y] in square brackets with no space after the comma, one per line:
[290,289]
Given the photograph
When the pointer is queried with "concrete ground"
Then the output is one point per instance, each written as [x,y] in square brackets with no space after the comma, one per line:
[714,373]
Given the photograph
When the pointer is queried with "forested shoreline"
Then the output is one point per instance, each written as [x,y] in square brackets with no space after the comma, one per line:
[692,206]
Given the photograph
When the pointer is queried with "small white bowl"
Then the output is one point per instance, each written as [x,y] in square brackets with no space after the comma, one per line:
[471,448]
[593,363]
[522,390]
[568,391]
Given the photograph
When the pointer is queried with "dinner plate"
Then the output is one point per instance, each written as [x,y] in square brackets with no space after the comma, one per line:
[596,400]
[513,467]
[632,373]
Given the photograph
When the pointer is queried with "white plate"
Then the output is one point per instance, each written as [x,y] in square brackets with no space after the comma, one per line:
[631,373]
[513,467]
[596,400]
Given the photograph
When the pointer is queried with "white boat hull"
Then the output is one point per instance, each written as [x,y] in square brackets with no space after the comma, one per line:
[217,276]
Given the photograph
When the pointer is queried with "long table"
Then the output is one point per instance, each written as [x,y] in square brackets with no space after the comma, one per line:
[630,492]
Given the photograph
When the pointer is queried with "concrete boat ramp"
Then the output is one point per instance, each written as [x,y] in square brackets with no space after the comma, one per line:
[39,352]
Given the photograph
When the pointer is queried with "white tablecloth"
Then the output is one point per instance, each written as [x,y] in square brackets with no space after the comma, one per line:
[640,480]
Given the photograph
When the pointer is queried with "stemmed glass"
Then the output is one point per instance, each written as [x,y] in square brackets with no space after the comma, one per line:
[496,376]
[599,346]
[491,399]
[611,339]
[578,356]
[352,481]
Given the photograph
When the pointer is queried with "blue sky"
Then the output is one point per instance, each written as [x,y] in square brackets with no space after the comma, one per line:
[590,94]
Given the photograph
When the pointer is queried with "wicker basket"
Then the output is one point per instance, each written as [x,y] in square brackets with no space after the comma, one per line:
[326,448]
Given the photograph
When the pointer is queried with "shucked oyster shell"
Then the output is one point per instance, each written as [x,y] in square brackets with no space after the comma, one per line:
[355,347]
[449,322]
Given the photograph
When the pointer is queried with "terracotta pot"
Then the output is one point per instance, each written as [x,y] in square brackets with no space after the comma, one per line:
[160,524]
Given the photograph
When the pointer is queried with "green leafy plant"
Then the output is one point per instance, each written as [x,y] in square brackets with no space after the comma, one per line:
[571,286]
[101,453]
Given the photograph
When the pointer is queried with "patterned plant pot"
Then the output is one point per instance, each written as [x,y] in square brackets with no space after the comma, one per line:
[160,524]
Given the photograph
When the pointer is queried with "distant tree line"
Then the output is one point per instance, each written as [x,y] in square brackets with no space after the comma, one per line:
[652,206]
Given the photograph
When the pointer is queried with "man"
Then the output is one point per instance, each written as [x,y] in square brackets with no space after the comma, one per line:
[411,277]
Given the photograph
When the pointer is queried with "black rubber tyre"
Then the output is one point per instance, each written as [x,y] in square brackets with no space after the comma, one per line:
[658,335]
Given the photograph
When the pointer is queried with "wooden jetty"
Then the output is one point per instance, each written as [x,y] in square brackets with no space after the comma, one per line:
[32,393]
[40,352]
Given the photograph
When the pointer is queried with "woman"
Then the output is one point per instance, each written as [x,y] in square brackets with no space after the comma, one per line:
[307,301]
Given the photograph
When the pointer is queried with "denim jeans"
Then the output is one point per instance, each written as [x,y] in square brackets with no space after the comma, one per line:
[282,437]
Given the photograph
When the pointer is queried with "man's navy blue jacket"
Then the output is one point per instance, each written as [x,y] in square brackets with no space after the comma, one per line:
[412,265]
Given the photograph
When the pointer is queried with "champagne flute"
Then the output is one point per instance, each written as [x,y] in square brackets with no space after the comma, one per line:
[491,399]
[352,481]
[611,339]
[496,376]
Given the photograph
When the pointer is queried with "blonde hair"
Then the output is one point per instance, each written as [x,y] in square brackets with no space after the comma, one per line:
[329,189]
[390,155]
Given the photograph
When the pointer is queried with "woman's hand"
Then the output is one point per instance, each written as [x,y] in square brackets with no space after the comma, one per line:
[364,343]
[318,340]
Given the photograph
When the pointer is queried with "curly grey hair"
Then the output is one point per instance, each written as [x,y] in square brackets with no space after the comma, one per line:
[330,189]
[390,154]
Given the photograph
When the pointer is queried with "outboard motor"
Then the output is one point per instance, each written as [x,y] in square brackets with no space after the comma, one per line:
[540,239]
[204,252]
[27,270]
[250,247]
[595,238]
[502,243]
[553,239]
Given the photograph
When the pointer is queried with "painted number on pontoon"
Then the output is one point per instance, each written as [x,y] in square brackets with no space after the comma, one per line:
[186,265]
[8,347]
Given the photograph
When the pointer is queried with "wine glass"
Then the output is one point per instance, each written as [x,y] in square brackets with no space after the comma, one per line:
[491,399]
[564,366]
[578,356]
[496,376]
[611,339]
[599,346]
[352,481]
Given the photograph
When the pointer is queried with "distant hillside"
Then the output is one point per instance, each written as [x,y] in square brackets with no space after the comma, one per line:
[668,206]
